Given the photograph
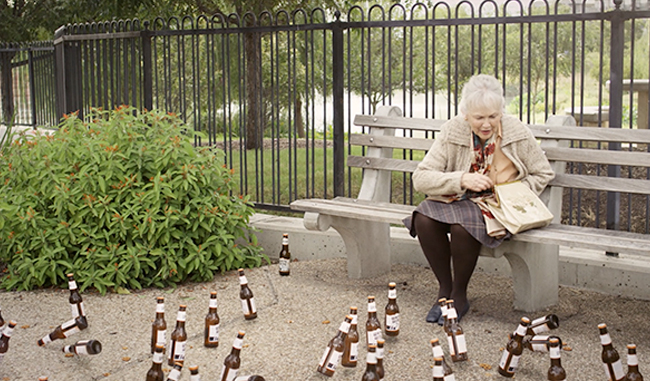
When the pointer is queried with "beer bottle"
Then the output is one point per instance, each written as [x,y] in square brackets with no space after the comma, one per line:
[371,365]
[76,302]
[438,352]
[246,296]
[539,343]
[351,351]
[512,352]
[285,256]
[232,362]
[373,327]
[63,331]
[449,305]
[155,373]
[379,354]
[455,335]
[611,359]
[555,372]
[42,378]
[211,331]
[175,373]
[194,373]
[391,321]
[84,347]
[250,378]
[543,324]
[334,350]
[4,340]
[2,321]
[176,351]
[633,373]
[438,372]
[159,325]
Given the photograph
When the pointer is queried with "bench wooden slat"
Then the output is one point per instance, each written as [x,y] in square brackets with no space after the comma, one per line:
[595,156]
[340,208]
[382,163]
[602,183]
[398,142]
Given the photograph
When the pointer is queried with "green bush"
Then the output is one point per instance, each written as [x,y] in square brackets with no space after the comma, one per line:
[123,200]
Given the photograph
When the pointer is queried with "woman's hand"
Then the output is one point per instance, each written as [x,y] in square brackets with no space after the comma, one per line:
[475,182]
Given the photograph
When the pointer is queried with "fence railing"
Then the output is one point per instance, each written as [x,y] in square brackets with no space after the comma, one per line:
[278,91]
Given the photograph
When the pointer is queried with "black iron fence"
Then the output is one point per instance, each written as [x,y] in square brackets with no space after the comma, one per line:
[278,91]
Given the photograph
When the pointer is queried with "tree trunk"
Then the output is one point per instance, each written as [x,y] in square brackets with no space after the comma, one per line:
[254,130]
[300,125]
[7,89]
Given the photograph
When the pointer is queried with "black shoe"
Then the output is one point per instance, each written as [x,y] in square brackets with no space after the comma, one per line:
[434,313]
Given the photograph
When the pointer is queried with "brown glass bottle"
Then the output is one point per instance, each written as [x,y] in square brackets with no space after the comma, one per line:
[159,325]
[543,324]
[379,355]
[250,378]
[176,351]
[555,371]
[438,352]
[449,304]
[194,373]
[514,348]
[84,347]
[155,373]
[438,372]
[175,373]
[285,256]
[211,330]
[611,360]
[455,335]
[42,378]
[4,339]
[334,350]
[232,362]
[76,302]
[633,373]
[246,297]
[373,327]
[371,365]
[2,321]
[391,317]
[351,350]
[539,343]
[63,331]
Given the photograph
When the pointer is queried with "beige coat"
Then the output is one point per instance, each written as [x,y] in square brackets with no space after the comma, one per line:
[450,157]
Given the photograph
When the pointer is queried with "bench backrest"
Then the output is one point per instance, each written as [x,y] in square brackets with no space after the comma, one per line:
[555,136]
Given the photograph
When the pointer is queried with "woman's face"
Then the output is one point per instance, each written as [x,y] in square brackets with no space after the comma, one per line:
[484,122]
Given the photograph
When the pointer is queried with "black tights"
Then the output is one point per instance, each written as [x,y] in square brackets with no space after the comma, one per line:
[463,249]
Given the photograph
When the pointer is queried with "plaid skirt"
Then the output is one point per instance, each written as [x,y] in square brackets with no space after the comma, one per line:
[465,213]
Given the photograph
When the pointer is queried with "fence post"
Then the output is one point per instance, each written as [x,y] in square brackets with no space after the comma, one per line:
[147,68]
[337,96]
[7,90]
[32,85]
[617,41]
[67,65]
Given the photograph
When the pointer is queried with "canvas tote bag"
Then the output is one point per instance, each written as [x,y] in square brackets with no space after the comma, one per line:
[518,208]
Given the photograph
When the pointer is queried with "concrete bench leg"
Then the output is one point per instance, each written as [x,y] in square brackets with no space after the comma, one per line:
[367,244]
[534,274]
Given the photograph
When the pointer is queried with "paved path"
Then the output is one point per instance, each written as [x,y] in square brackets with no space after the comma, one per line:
[286,341]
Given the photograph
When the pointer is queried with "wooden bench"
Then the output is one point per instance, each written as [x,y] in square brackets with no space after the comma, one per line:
[364,222]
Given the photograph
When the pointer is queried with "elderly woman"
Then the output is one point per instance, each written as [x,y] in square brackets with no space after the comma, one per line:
[475,150]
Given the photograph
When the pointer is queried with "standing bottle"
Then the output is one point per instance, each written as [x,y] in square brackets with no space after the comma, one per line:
[514,348]
[379,354]
[285,256]
[194,373]
[373,327]
[438,373]
[254,377]
[555,372]
[371,365]
[436,348]
[2,321]
[232,362]
[42,378]
[611,360]
[63,331]
[455,335]
[4,340]
[155,373]
[176,351]
[211,331]
[84,347]
[334,350]
[76,302]
[246,296]
[633,373]
[351,351]
[159,325]
[543,324]
[539,343]
[391,321]
[175,373]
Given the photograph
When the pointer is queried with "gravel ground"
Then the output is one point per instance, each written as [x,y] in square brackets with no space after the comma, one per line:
[299,314]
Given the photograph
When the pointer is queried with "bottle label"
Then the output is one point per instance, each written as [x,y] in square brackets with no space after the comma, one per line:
[452,347]
[80,348]
[213,333]
[71,331]
[75,310]
[461,344]
[245,303]
[182,315]
[373,336]
[354,351]
[213,303]
[379,354]
[617,368]
[521,330]
[68,324]
[604,339]
[334,360]
[554,352]
[285,241]
[438,372]
[174,375]
[321,363]
[242,279]
[355,319]
[72,285]
[46,339]
[179,351]
[632,360]
[160,308]
[372,307]
[161,336]
[511,365]
[284,264]
[392,322]
[538,347]
[344,327]
[392,293]
[437,351]
[158,357]
[237,344]
[540,329]
[230,374]
[449,377]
